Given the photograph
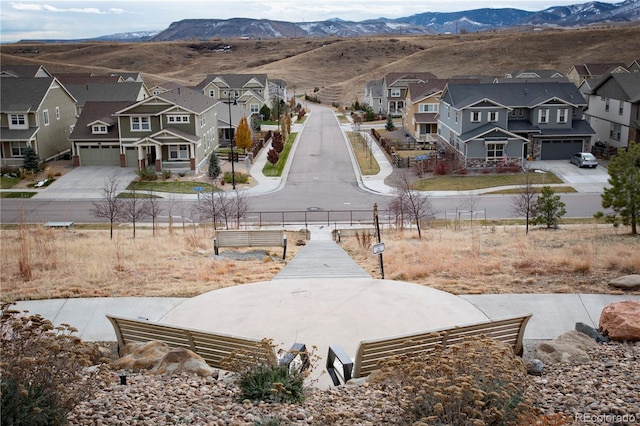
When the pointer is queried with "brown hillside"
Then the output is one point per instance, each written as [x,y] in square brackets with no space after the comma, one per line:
[339,66]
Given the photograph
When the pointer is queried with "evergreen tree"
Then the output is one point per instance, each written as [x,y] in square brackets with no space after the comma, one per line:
[214,166]
[390,126]
[623,196]
[265,112]
[30,160]
[548,208]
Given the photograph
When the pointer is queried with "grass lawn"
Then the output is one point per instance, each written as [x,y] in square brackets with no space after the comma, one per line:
[366,161]
[468,182]
[174,187]
[22,194]
[8,182]
[556,189]
[275,170]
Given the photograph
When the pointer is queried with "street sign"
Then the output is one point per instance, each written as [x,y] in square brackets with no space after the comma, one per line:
[377,248]
[198,188]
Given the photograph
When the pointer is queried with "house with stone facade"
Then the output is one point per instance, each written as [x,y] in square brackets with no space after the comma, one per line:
[493,124]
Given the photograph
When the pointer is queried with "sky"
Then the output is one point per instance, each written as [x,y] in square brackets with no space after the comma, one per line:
[85,19]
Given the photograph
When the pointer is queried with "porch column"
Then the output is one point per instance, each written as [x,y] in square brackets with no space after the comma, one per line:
[141,158]
[123,156]
[75,158]
[158,158]
[192,157]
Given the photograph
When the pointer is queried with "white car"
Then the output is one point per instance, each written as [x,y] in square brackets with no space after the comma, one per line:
[584,159]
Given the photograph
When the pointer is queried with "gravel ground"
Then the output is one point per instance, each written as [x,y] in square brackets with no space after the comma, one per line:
[603,391]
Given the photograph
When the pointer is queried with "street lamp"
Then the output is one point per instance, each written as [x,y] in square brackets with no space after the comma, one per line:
[233,172]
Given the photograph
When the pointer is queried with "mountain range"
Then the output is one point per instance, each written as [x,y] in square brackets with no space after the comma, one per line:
[578,15]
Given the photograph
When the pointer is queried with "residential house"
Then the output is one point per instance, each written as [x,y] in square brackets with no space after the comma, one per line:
[33,71]
[394,89]
[106,92]
[177,129]
[250,91]
[420,115]
[374,96]
[36,112]
[614,109]
[529,74]
[593,71]
[492,124]
[95,140]
[634,66]
[165,87]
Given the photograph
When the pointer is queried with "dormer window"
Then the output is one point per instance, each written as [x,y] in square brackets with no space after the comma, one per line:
[98,129]
[475,116]
[543,116]
[562,115]
[395,93]
[212,93]
[18,121]
[493,116]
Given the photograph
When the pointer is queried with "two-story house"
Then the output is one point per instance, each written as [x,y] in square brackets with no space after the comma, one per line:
[614,109]
[491,124]
[374,96]
[250,91]
[37,112]
[394,89]
[177,129]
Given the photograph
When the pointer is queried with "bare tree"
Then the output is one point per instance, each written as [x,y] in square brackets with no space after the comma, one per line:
[153,209]
[208,206]
[524,202]
[415,204]
[134,210]
[110,208]
[240,205]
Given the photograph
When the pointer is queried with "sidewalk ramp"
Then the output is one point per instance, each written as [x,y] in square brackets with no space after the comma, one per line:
[321,259]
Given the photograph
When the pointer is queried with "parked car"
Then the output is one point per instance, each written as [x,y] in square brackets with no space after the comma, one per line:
[584,159]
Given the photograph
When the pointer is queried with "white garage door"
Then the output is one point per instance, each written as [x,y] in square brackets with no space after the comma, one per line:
[99,156]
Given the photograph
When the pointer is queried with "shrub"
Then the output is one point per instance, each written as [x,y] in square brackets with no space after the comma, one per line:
[239,177]
[147,174]
[166,174]
[271,382]
[479,380]
[42,377]
[441,168]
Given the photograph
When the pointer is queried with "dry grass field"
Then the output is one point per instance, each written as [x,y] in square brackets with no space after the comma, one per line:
[340,67]
[40,263]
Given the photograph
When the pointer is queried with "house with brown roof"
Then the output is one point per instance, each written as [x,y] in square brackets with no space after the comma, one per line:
[394,89]
[578,73]
[34,111]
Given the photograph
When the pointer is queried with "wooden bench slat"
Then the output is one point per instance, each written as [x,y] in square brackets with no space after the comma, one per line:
[250,238]
[371,353]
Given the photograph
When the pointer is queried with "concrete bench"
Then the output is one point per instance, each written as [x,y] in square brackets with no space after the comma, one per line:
[250,238]
[373,352]
[215,348]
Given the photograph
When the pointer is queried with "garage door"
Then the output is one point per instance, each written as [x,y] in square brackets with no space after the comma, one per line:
[560,149]
[99,156]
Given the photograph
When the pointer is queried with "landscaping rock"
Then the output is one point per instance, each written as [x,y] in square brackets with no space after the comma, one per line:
[141,356]
[535,367]
[568,348]
[180,360]
[627,282]
[621,321]
[591,332]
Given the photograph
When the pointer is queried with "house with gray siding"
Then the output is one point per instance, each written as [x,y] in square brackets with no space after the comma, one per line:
[38,112]
[493,124]
[250,91]
[614,109]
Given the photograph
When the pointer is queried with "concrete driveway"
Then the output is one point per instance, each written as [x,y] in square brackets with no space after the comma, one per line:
[583,180]
[86,182]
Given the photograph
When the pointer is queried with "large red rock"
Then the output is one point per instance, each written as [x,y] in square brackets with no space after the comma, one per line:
[621,320]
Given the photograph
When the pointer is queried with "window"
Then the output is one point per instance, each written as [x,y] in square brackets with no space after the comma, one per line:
[45,117]
[254,108]
[139,124]
[517,113]
[621,107]
[177,118]
[212,93]
[615,131]
[57,113]
[17,149]
[179,152]
[493,116]
[475,116]
[562,115]
[543,116]
[495,150]
[203,121]
[427,107]
[395,93]
[17,121]
[606,104]
[98,129]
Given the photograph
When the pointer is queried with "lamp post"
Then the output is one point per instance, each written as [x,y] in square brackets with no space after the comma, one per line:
[233,172]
